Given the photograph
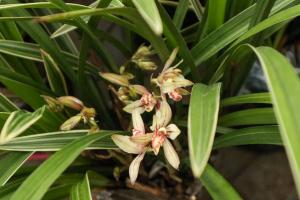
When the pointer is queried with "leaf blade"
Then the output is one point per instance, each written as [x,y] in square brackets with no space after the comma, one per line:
[202,123]
[284,84]
[149,11]
[217,186]
[37,184]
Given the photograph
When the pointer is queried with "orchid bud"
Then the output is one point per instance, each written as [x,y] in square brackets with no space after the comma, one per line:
[123,94]
[53,104]
[141,52]
[117,79]
[71,123]
[146,65]
[139,89]
[71,102]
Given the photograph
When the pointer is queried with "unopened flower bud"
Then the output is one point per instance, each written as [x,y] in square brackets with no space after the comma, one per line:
[71,123]
[123,94]
[141,52]
[53,104]
[146,65]
[71,102]
[117,79]
[139,89]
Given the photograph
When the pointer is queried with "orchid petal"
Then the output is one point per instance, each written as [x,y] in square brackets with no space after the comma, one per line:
[134,167]
[70,123]
[137,122]
[170,154]
[124,143]
[117,79]
[136,105]
[158,139]
[142,139]
[172,131]
[171,59]
[165,114]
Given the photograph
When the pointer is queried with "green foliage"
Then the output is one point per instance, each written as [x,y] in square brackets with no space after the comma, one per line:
[202,123]
[50,49]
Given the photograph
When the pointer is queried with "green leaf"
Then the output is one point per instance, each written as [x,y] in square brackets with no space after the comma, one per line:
[6,105]
[180,13]
[215,16]
[10,163]
[81,190]
[20,49]
[217,186]
[67,28]
[148,10]
[54,141]
[31,51]
[251,135]
[282,16]
[197,7]
[58,192]
[228,32]
[202,123]
[37,184]
[40,36]
[14,6]
[253,116]
[18,122]
[284,86]
[263,98]
[55,77]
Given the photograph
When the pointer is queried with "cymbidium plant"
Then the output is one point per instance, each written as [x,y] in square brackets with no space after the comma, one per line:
[90,91]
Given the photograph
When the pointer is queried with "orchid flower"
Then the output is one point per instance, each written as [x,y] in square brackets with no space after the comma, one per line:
[171,81]
[163,131]
[145,103]
[136,144]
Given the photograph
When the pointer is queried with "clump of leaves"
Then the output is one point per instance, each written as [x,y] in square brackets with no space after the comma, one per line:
[51,52]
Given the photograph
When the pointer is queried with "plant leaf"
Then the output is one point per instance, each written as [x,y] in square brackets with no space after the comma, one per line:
[10,163]
[249,117]
[284,86]
[251,135]
[18,122]
[228,32]
[202,123]
[81,190]
[54,141]
[55,76]
[217,186]
[180,13]
[37,184]
[67,28]
[148,10]
[6,105]
[263,98]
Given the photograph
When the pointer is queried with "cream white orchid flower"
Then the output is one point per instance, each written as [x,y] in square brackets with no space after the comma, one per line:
[162,130]
[136,144]
[145,103]
[171,81]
